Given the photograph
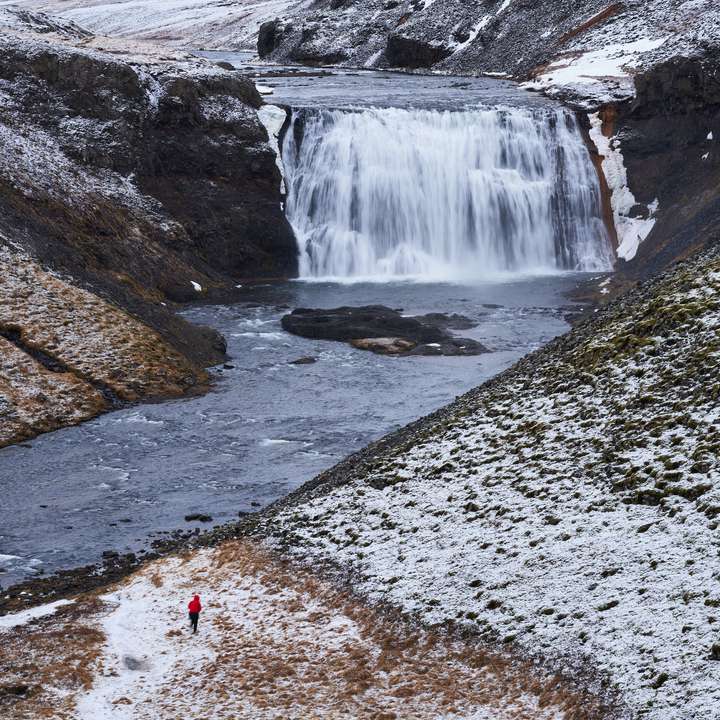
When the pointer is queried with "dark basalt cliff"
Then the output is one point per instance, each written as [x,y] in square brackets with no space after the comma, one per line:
[189,143]
[667,134]
[129,183]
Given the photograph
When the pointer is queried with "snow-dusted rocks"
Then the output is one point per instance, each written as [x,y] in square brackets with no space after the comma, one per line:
[569,508]
[66,354]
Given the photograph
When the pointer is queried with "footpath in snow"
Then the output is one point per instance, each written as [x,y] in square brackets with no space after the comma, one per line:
[273,642]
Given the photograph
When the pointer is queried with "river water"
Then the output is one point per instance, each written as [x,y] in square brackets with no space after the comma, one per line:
[267,426]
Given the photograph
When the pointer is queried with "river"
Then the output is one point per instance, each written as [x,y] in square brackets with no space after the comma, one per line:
[267,425]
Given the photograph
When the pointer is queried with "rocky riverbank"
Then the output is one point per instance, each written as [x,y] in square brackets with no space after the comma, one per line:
[131,180]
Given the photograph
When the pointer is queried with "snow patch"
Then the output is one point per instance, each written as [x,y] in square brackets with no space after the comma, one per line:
[273,118]
[631,230]
[609,69]
[25,616]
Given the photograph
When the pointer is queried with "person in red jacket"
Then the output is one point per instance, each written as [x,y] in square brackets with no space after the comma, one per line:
[194,608]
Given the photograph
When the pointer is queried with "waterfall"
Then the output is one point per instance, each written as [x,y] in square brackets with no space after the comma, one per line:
[380,193]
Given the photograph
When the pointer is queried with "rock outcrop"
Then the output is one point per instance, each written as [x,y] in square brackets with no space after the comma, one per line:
[385,331]
[670,139]
[142,177]
[67,355]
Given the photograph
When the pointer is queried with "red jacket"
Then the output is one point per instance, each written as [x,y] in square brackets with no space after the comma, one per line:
[194,605]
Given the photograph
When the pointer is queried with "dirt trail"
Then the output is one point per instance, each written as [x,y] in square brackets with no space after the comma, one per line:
[274,642]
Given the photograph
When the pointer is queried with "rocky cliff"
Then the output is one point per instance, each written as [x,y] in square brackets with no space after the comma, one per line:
[140,177]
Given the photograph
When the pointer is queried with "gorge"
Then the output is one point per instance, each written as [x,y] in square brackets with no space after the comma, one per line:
[133,476]
[527,532]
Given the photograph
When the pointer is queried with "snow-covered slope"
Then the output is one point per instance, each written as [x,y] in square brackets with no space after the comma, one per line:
[570,507]
[273,642]
[186,23]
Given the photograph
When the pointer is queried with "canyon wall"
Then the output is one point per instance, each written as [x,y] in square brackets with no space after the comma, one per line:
[140,177]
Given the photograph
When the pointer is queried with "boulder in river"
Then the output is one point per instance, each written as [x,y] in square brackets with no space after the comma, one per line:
[198,517]
[384,330]
[384,346]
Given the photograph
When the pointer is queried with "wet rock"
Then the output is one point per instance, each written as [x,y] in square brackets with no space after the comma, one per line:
[303,361]
[448,322]
[198,517]
[269,37]
[389,331]
[384,346]
[412,52]
[451,347]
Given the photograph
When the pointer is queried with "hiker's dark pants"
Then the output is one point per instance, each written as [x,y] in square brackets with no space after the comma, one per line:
[194,621]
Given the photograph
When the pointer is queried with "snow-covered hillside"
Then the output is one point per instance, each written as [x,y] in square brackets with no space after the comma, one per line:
[273,642]
[568,508]
[187,23]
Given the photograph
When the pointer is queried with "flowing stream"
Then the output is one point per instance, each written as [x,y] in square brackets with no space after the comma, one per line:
[451,195]
[460,195]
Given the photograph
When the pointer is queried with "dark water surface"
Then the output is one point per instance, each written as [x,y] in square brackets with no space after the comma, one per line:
[265,427]
[300,86]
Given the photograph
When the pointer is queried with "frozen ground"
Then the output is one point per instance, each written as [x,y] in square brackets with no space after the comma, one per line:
[186,23]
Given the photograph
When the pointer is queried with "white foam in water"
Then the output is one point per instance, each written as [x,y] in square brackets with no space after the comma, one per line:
[386,193]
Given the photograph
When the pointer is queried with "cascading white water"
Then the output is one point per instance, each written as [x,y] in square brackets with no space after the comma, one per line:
[398,192]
